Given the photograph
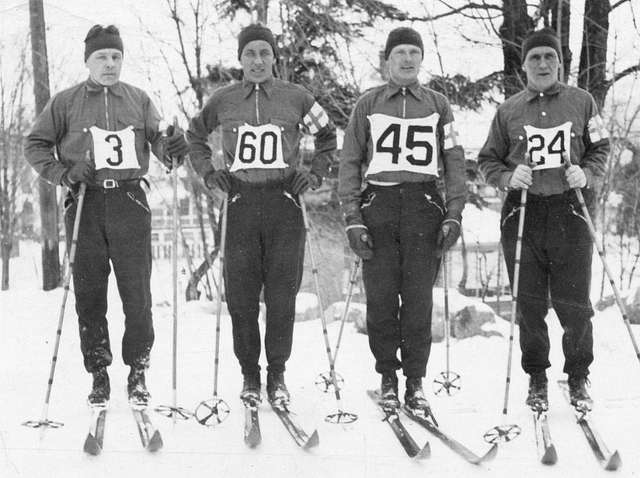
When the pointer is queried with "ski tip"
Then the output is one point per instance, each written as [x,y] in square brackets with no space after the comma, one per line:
[91,445]
[614,462]
[550,456]
[424,453]
[313,441]
[253,438]
[155,443]
[488,456]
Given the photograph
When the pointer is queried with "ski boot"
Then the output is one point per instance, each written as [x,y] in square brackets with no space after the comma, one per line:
[578,395]
[537,398]
[136,388]
[276,388]
[251,388]
[389,390]
[414,398]
[101,389]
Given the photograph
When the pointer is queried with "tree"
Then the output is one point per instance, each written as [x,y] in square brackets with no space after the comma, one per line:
[13,125]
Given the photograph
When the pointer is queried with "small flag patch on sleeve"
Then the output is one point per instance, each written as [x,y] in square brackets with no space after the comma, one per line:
[316,118]
[597,130]
[450,136]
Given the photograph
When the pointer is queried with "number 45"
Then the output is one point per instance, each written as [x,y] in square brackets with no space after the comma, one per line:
[394,131]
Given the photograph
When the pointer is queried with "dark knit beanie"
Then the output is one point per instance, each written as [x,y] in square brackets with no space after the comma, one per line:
[256,32]
[544,37]
[403,36]
[100,37]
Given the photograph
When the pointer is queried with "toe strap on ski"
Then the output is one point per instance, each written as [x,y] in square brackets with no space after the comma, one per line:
[43,424]
[325,383]
[502,433]
[448,382]
[212,412]
[174,412]
[341,417]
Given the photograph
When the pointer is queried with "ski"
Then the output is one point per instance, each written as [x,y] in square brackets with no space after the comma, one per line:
[252,435]
[149,435]
[402,434]
[94,440]
[301,438]
[449,441]
[609,461]
[546,448]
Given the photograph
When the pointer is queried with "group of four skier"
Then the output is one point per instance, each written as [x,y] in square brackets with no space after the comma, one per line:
[401,187]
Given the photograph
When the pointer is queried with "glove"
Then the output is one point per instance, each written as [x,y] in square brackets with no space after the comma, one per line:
[80,172]
[301,181]
[575,176]
[360,241]
[175,147]
[447,235]
[521,177]
[220,179]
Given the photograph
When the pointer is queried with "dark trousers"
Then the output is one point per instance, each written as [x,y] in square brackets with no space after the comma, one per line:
[264,247]
[403,221]
[115,226]
[556,261]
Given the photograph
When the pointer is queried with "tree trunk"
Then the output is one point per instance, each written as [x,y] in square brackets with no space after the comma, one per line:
[560,20]
[6,257]
[593,54]
[47,192]
[514,28]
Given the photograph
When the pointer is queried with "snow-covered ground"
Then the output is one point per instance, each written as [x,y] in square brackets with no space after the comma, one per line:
[365,448]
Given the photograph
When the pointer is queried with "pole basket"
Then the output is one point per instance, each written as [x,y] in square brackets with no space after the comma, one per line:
[502,434]
[448,382]
[325,384]
[341,417]
[42,424]
[174,412]
[211,412]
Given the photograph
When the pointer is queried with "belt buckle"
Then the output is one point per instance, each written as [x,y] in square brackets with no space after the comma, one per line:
[109,184]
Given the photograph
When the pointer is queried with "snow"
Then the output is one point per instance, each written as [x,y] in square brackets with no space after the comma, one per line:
[366,448]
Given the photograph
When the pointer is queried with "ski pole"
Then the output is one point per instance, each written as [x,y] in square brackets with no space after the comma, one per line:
[600,249]
[504,433]
[44,421]
[340,416]
[213,411]
[174,411]
[323,379]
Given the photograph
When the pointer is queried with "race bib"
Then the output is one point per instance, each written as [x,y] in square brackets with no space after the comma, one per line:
[546,145]
[404,144]
[258,147]
[114,149]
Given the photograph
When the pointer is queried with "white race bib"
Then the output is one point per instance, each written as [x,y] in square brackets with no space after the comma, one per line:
[404,144]
[258,147]
[546,145]
[114,149]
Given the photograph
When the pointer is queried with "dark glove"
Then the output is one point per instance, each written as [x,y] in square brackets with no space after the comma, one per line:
[80,172]
[175,146]
[447,235]
[301,181]
[220,179]
[360,241]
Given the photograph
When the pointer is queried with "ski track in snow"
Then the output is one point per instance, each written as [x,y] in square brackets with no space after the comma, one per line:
[366,448]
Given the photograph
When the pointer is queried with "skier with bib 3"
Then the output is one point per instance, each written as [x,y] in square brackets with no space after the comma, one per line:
[261,120]
[398,143]
[99,133]
[547,123]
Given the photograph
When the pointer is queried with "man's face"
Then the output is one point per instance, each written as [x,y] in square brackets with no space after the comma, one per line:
[105,66]
[257,61]
[404,64]
[541,66]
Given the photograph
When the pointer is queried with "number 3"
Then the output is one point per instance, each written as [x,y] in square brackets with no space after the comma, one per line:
[117,148]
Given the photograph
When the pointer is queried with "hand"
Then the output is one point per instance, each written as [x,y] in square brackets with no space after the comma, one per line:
[175,147]
[521,178]
[80,172]
[220,179]
[575,176]
[360,241]
[447,236]
[301,181]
